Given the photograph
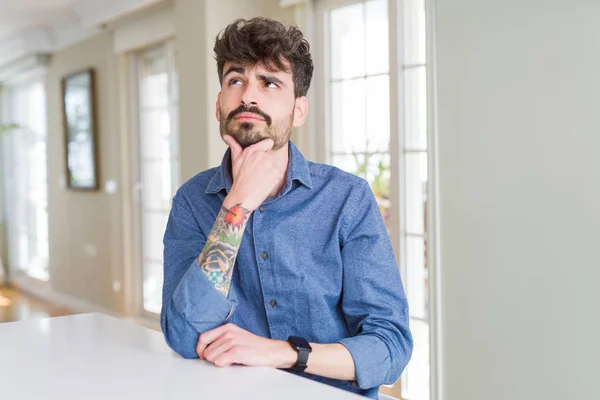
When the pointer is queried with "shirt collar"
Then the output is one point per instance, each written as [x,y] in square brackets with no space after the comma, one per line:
[298,170]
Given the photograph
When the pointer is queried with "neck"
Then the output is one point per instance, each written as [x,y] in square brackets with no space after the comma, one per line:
[281,160]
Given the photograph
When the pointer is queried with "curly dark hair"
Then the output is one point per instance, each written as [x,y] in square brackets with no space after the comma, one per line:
[270,43]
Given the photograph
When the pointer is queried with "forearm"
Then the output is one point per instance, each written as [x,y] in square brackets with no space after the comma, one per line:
[191,308]
[217,259]
[327,360]
[331,361]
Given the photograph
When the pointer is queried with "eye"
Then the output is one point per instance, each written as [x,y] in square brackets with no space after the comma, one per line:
[271,85]
[235,81]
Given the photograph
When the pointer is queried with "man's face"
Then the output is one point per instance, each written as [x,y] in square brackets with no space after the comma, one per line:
[255,104]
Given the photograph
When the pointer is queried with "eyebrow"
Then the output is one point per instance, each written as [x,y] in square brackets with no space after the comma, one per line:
[270,78]
[239,70]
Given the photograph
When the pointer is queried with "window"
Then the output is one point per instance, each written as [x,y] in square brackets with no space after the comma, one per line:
[364,78]
[25,178]
[359,85]
[158,167]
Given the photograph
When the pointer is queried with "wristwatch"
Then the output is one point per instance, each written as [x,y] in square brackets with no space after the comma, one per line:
[303,348]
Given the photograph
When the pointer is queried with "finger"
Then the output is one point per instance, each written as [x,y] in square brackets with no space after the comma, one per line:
[236,149]
[208,337]
[233,356]
[200,349]
[264,145]
[218,347]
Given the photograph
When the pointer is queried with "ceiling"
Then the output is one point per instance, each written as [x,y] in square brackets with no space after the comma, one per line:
[17,16]
[43,26]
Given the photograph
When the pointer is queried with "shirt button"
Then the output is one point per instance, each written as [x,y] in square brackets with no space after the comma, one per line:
[264,256]
[262,208]
[272,303]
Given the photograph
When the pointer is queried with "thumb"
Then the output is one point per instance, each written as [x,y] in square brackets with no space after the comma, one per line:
[235,147]
[264,145]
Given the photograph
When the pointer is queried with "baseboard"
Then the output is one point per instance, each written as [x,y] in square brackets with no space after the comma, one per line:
[43,291]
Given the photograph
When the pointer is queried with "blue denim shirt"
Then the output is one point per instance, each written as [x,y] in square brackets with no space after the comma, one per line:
[315,261]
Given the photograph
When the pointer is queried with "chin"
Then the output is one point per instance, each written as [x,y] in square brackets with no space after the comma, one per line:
[246,140]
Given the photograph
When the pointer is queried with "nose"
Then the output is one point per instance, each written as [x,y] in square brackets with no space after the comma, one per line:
[250,96]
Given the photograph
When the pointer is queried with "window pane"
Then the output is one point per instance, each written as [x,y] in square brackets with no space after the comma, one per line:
[27,219]
[154,89]
[159,163]
[157,186]
[153,277]
[155,129]
[347,42]
[378,176]
[38,187]
[414,32]
[415,101]
[416,276]
[173,136]
[416,382]
[378,113]
[37,112]
[22,250]
[415,174]
[377,37]
[153,230]
[348,116]
[353,163]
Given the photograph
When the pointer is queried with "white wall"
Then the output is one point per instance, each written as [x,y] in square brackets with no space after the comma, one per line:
[85,220]
[519,193]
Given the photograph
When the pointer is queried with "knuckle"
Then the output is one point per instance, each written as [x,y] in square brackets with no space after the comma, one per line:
[236,351]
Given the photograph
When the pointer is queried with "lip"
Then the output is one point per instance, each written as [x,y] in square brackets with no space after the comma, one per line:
[249,117]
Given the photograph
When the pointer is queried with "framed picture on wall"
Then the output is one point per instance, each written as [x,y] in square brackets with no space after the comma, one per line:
[79,116]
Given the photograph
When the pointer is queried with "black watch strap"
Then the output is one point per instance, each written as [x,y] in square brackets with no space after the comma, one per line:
[303,348]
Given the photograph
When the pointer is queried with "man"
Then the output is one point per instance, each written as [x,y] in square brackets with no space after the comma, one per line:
[271,260]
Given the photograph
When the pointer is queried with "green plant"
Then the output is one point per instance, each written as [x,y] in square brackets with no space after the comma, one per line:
[380,183]
[6,128]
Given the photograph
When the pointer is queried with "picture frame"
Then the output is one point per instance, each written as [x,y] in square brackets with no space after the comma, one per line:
[79,118]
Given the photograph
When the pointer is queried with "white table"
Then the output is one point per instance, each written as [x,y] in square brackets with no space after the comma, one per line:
[93,356]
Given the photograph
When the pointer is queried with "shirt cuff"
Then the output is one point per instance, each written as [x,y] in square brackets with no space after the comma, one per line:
[199,302]
[371,359]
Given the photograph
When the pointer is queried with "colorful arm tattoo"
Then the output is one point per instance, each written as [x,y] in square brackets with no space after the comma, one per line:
[220,251]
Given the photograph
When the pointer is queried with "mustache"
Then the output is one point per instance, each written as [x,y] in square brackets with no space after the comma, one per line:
[254,110]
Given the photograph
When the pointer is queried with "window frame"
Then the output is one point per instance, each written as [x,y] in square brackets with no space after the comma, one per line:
[166,47]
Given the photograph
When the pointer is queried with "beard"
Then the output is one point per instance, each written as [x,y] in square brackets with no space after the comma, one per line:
[249,133]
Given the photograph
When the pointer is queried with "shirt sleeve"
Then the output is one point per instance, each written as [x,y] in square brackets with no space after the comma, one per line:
[373,301]
[191,305]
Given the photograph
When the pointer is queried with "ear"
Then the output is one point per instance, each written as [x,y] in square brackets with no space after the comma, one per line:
[218,107]
[300,111]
